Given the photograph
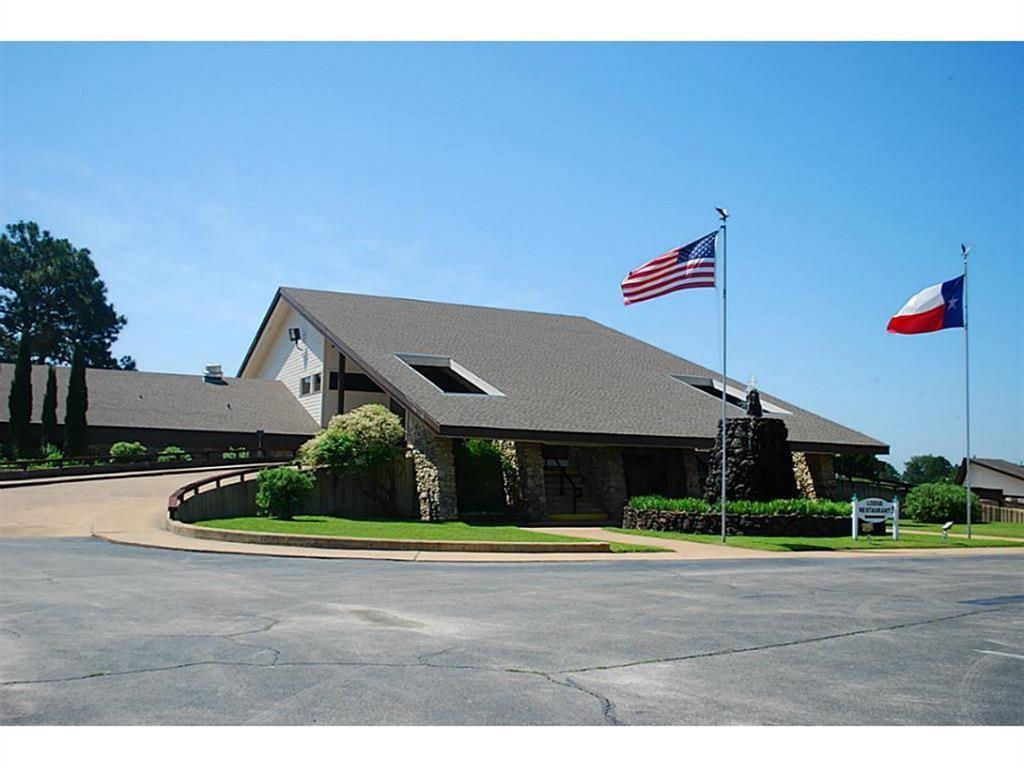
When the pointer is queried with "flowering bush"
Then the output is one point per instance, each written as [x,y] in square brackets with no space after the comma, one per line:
[355,441]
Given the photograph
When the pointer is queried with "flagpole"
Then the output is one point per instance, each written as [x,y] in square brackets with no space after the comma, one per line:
[723,214]
[964,249]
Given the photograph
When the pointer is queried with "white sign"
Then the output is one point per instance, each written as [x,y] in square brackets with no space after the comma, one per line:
[875,511]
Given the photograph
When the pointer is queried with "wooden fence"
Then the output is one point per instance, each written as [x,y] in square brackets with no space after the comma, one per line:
[991,513]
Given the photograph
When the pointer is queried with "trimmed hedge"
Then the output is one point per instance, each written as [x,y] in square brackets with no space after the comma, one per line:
[748,524]
[741,507]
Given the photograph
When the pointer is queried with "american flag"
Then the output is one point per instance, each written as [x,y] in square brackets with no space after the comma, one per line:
[689,266]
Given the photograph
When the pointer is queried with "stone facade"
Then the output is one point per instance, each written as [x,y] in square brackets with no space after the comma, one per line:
[523,470]
[823,473]
[603,476]
[759,466]
[433,458]
[804,479]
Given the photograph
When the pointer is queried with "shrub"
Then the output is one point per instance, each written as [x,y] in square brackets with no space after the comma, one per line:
[939,503]
[173,453]
[479,470]
[281,491]
[125,452]
[741,507]
[355,441]
[240,452]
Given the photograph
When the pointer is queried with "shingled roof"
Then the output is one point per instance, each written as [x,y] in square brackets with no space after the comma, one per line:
[561,377]
[172,401]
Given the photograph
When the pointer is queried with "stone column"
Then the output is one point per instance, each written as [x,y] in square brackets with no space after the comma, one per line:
[523,472]
[823,472]
[804,478]
[433,458]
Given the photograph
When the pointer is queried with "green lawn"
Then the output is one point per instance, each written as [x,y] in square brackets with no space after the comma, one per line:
[379,528]
[825,544]
[1011,530]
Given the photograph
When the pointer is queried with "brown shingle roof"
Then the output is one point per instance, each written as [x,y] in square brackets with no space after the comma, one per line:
[172,401]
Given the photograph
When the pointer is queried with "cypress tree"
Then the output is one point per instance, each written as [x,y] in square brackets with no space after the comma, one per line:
[75,442]
[49,436]
[19,401]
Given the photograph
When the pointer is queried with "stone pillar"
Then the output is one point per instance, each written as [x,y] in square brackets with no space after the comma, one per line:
[823,472]
[691,468]
[522,466]
[804,478]
[759,466]
[433,458]
[604,478]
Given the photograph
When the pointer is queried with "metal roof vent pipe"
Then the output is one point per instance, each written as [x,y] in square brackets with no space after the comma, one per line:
[213,373]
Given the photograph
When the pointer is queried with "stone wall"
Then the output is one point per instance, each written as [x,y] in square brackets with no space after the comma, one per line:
[750,525]
[433,458]
[759,466]
[603,475]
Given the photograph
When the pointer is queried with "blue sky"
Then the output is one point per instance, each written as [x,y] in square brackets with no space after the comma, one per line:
[534,176]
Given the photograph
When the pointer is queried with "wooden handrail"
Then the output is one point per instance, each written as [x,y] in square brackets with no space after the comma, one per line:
[178,496]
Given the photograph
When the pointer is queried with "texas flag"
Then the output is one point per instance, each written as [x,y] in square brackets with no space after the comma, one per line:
[936,307]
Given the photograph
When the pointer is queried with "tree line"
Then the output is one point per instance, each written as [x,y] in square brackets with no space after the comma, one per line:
[921,469]
[53,310]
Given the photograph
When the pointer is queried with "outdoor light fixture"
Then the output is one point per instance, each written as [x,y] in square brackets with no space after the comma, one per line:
[294,334]
[945,530]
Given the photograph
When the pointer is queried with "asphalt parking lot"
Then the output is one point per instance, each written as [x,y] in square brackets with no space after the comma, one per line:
[97,633]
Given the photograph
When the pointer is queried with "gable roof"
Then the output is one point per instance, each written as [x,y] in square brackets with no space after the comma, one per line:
[996,465]
[562,377]
[172,401]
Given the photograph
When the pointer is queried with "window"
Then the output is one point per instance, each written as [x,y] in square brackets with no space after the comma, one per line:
[448,376]
[332,380]
[733,396]
[317,382]
[305,383]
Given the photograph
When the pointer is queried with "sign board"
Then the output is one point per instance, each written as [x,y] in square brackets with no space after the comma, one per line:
[875,511]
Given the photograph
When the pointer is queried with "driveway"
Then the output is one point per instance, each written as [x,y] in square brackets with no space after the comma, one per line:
[98,633]
[77,507]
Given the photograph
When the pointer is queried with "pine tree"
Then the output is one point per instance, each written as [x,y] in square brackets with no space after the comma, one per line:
[75,442]
[19,402]
[49,436]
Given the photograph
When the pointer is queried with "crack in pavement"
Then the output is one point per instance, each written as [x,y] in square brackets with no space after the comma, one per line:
[770,646]
[606,704]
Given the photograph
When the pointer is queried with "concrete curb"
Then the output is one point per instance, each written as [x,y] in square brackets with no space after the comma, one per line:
[409,545]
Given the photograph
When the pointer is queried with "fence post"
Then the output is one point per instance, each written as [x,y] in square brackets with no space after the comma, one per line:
[896,518]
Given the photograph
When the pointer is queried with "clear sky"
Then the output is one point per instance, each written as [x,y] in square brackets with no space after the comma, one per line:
[534,176]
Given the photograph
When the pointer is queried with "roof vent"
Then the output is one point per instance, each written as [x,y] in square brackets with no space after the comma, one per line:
[213,373]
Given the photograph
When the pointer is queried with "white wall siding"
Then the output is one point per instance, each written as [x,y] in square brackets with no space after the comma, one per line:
[288,362]
[983,477]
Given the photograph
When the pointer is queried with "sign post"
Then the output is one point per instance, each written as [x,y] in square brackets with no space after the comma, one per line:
[875,511]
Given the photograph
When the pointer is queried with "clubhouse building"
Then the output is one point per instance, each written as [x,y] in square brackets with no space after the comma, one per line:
[586,415]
